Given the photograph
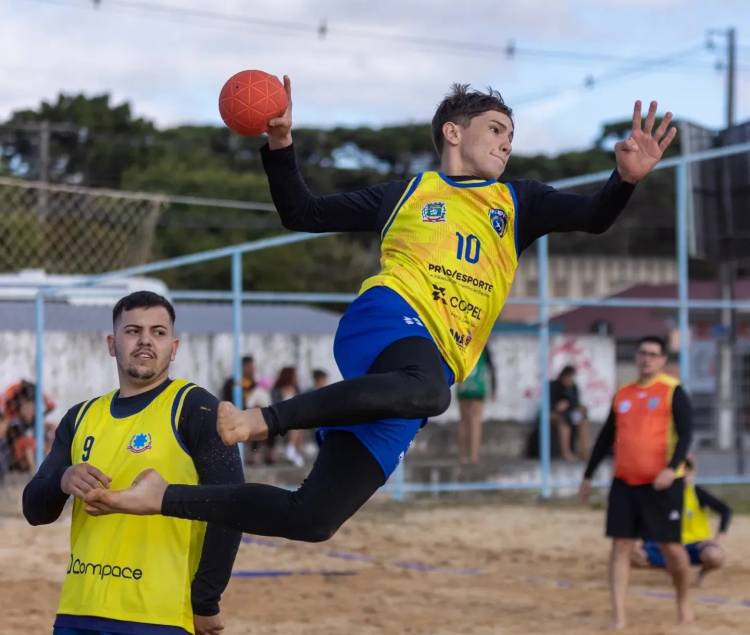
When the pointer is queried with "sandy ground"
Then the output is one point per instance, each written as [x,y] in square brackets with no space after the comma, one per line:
[425,567]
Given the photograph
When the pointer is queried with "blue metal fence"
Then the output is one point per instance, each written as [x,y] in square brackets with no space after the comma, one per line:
[397,485]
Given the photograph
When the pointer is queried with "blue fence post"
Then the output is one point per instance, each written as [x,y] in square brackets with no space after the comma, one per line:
[39,405]
[237,393]
[399,478]
[544,406]
[683,278]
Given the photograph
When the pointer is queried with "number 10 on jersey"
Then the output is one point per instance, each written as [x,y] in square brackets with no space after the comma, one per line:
[468,248]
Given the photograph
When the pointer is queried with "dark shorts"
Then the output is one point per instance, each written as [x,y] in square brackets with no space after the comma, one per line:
[640,511]
[656,558]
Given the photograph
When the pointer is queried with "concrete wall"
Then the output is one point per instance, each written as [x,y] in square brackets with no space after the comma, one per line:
[78,366]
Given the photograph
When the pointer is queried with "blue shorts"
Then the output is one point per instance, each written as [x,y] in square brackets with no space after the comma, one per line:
[374,321]
[656,559]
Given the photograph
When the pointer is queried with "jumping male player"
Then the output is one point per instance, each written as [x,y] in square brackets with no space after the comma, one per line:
[143,576]
[451,240]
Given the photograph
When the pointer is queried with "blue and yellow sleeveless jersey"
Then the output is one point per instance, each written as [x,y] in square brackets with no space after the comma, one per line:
[449,250]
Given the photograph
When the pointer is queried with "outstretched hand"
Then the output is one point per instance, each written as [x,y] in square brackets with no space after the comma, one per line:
[280,128]
[642,150]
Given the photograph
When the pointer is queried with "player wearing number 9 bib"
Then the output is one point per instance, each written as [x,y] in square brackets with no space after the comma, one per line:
[451,240]
[142,576]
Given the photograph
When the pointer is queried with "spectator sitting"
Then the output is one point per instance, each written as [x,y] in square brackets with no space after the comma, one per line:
[702,545]
[569,417]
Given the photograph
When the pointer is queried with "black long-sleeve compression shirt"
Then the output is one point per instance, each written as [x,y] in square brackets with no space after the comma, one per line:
[707,499]
[541,208]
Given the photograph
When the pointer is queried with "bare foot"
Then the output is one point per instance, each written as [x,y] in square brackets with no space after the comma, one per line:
[142,498]
[617,625]
[685,615]
[239,426]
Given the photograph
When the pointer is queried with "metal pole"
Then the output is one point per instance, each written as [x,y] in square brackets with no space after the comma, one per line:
[39,379]
[544,400]
[237,396]
[683,279]
[731,57]
[399,479]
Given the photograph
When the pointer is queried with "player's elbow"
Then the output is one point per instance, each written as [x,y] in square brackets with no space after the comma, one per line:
[290,222]
[598,227]
[32,514]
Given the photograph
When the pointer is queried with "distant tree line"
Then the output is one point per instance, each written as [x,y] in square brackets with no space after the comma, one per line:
[100,144]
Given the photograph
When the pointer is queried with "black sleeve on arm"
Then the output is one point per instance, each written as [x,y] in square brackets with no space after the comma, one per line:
[706,499]
[604,442]
[362,210]
[43,500]
[543,209]
[215,464]
[683,425]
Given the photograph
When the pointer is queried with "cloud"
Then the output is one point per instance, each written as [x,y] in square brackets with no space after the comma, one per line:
[373,67]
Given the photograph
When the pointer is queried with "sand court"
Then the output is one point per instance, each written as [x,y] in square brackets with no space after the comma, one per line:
[419,568]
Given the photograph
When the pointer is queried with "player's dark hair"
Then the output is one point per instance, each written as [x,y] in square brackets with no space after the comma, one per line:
[567,371]
[141,300]
[654,339]
[318,374]
[247,359]
[461,105]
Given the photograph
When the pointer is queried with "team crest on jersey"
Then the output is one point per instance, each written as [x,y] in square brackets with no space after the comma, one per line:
[434,212]
[653,403]
[140,442]
[499,220]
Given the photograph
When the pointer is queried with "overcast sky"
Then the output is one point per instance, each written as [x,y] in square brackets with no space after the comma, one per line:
[386,61]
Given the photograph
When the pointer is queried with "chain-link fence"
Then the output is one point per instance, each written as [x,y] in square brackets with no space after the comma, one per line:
[74,229]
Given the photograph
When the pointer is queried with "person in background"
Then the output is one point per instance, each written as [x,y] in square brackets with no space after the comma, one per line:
[472,393]
[253,396]
[320,378]
[702,544]
[569,417]
[248,380]
[650,428]
[285,387]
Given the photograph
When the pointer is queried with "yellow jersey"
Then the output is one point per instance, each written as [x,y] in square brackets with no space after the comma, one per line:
[449,249]
[133,568]
[696,520]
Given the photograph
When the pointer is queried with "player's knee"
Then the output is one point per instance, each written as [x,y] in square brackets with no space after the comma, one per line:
[430,400]
[712,557]
[321,530]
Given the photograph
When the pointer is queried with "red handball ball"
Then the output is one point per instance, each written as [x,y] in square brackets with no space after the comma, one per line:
[249,99]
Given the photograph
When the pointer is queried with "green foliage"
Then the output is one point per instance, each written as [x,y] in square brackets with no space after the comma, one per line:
[92,141]
[107,146]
